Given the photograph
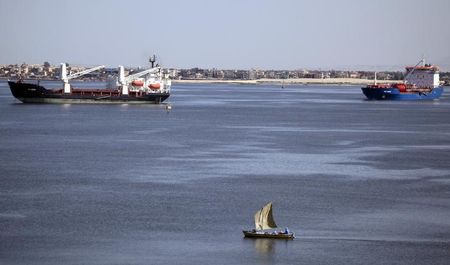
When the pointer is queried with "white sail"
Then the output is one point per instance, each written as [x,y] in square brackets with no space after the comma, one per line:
[264,218]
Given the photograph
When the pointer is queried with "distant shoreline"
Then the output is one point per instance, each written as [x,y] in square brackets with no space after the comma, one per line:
[293,81]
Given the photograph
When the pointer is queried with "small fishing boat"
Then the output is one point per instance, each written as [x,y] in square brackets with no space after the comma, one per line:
[264,222]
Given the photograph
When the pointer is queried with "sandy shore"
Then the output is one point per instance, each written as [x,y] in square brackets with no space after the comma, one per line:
[304,81]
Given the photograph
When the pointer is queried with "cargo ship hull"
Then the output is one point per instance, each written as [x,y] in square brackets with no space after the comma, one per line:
[395,94]
[34,93]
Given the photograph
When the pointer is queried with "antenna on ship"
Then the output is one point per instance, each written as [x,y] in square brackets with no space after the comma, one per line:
[152,60]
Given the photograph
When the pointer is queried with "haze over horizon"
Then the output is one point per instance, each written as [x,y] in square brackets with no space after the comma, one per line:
[282,34]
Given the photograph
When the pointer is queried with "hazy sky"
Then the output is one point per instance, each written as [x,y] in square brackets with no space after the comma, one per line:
[232,34]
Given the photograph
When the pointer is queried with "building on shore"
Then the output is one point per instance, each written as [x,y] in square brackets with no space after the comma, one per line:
[52,72]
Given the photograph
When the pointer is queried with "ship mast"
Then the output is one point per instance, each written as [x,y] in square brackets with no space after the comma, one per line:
[152,60]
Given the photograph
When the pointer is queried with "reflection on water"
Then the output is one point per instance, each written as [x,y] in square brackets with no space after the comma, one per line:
[264,246]
[268,246]
[268,250]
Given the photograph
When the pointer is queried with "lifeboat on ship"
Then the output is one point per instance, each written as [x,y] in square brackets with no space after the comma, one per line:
[137,83]
[154,86]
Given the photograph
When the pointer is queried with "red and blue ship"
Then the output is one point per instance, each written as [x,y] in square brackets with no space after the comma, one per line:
[421,82]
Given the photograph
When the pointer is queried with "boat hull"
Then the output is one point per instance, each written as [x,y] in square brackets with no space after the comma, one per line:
[32,93]
[395,94]
[251,234]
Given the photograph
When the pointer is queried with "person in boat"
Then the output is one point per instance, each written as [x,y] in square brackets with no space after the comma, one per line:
[286,230]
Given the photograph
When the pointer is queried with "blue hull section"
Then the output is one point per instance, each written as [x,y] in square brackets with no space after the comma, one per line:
[395,94]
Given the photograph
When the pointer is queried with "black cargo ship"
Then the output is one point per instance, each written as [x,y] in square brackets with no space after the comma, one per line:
[147,86]
[34,93]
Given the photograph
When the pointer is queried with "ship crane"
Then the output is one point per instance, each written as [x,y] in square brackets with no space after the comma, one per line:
[125,80]
[65,78]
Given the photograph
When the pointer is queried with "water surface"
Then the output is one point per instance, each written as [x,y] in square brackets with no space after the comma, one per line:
[360,182]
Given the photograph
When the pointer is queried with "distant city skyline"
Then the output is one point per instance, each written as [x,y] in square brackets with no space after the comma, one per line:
[282,34]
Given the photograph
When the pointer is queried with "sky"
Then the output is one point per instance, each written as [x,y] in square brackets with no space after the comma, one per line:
[227,34]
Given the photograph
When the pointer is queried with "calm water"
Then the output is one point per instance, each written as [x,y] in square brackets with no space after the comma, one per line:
[360,182]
